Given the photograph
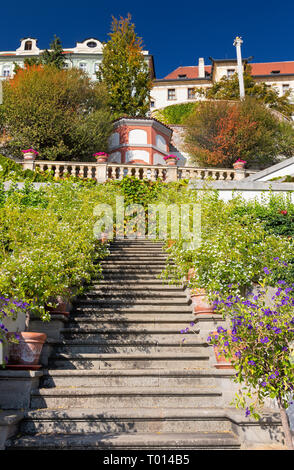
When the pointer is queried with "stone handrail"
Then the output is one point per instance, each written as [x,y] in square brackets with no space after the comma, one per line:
[103,171]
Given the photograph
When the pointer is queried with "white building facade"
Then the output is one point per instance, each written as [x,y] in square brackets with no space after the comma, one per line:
[179,85]
[86,55]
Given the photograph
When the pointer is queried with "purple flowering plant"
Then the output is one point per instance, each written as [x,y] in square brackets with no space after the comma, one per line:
[259,345]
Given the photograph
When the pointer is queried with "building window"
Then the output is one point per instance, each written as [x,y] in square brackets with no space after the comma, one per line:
[91,44]
[182,76]
[152,104]
[230,72]
[285,87]
[171,94]
[191,93]
[66,65]
[96,68]
[6,71]
[28,46]
[83,66]
[275,71]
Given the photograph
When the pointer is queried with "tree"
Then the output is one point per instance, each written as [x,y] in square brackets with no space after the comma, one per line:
[60,113]
[220,132]
[124,70]
[55,55]
[227,88]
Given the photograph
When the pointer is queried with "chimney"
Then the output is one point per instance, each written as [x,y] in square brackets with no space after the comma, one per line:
[201,69]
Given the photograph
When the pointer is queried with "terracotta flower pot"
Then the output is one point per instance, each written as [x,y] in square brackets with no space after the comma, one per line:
[221,361]
[191,274]
[101,159]
[171,162]
[26,353]
[200,302]
[29,156]
[63,308]
[239,165]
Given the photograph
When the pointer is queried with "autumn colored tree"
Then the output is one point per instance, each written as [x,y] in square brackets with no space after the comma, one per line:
[124,70]
[60,113]
[220,132]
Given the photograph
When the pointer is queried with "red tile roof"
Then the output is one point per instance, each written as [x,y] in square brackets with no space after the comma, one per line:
[191,72]
[267,68]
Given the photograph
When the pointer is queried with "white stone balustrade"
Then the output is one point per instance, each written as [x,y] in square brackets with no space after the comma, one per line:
[117,171]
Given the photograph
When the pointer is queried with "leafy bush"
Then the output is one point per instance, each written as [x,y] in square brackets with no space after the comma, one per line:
[220,132]
[175,113]
[60,113]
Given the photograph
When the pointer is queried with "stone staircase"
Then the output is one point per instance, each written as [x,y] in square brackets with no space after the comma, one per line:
[122,378]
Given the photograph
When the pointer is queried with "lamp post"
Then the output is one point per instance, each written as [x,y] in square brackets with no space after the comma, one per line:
[237,43]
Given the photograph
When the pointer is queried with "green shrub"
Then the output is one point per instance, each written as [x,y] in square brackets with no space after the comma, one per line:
[176,113]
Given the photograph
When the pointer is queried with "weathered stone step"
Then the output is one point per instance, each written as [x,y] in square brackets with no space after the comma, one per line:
[128,295]
[120,397]
[114,302]
[133,261]
[134,289]
[129,361]
[126,318]
[200,377]
[127,420]
[136,308]
[127,441]
[121,257]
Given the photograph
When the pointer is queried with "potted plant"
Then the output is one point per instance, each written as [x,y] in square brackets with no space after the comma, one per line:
[25,347]
[30,154]
[101,157]
[200,301]
[171,160]
[239,164]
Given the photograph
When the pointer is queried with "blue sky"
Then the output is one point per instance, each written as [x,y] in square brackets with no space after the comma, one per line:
[175,33]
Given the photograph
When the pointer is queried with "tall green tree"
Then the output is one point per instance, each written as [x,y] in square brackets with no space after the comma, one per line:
[54,56]
[124,70]
[227,88]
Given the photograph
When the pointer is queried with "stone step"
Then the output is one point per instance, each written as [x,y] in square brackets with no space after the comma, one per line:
[126,318]
[142,420]
[136,256]
[128,441]
[133,261]
[156,343]
[129,361]
[128,295]
[201,377]
[134,289]
[138,321]
[116,302]
[135,308]
[121,397]
[153,281]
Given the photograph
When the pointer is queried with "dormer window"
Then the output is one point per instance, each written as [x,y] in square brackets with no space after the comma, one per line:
[230,72]
[275,71]
[182,76]
[28,46]
[92,44]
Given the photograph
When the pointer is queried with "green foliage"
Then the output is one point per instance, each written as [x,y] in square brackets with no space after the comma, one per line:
[176,113]
[124,71]
[55,55]
[12,171]
[48,246]
[238,238]
[60,113]
[227,88]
